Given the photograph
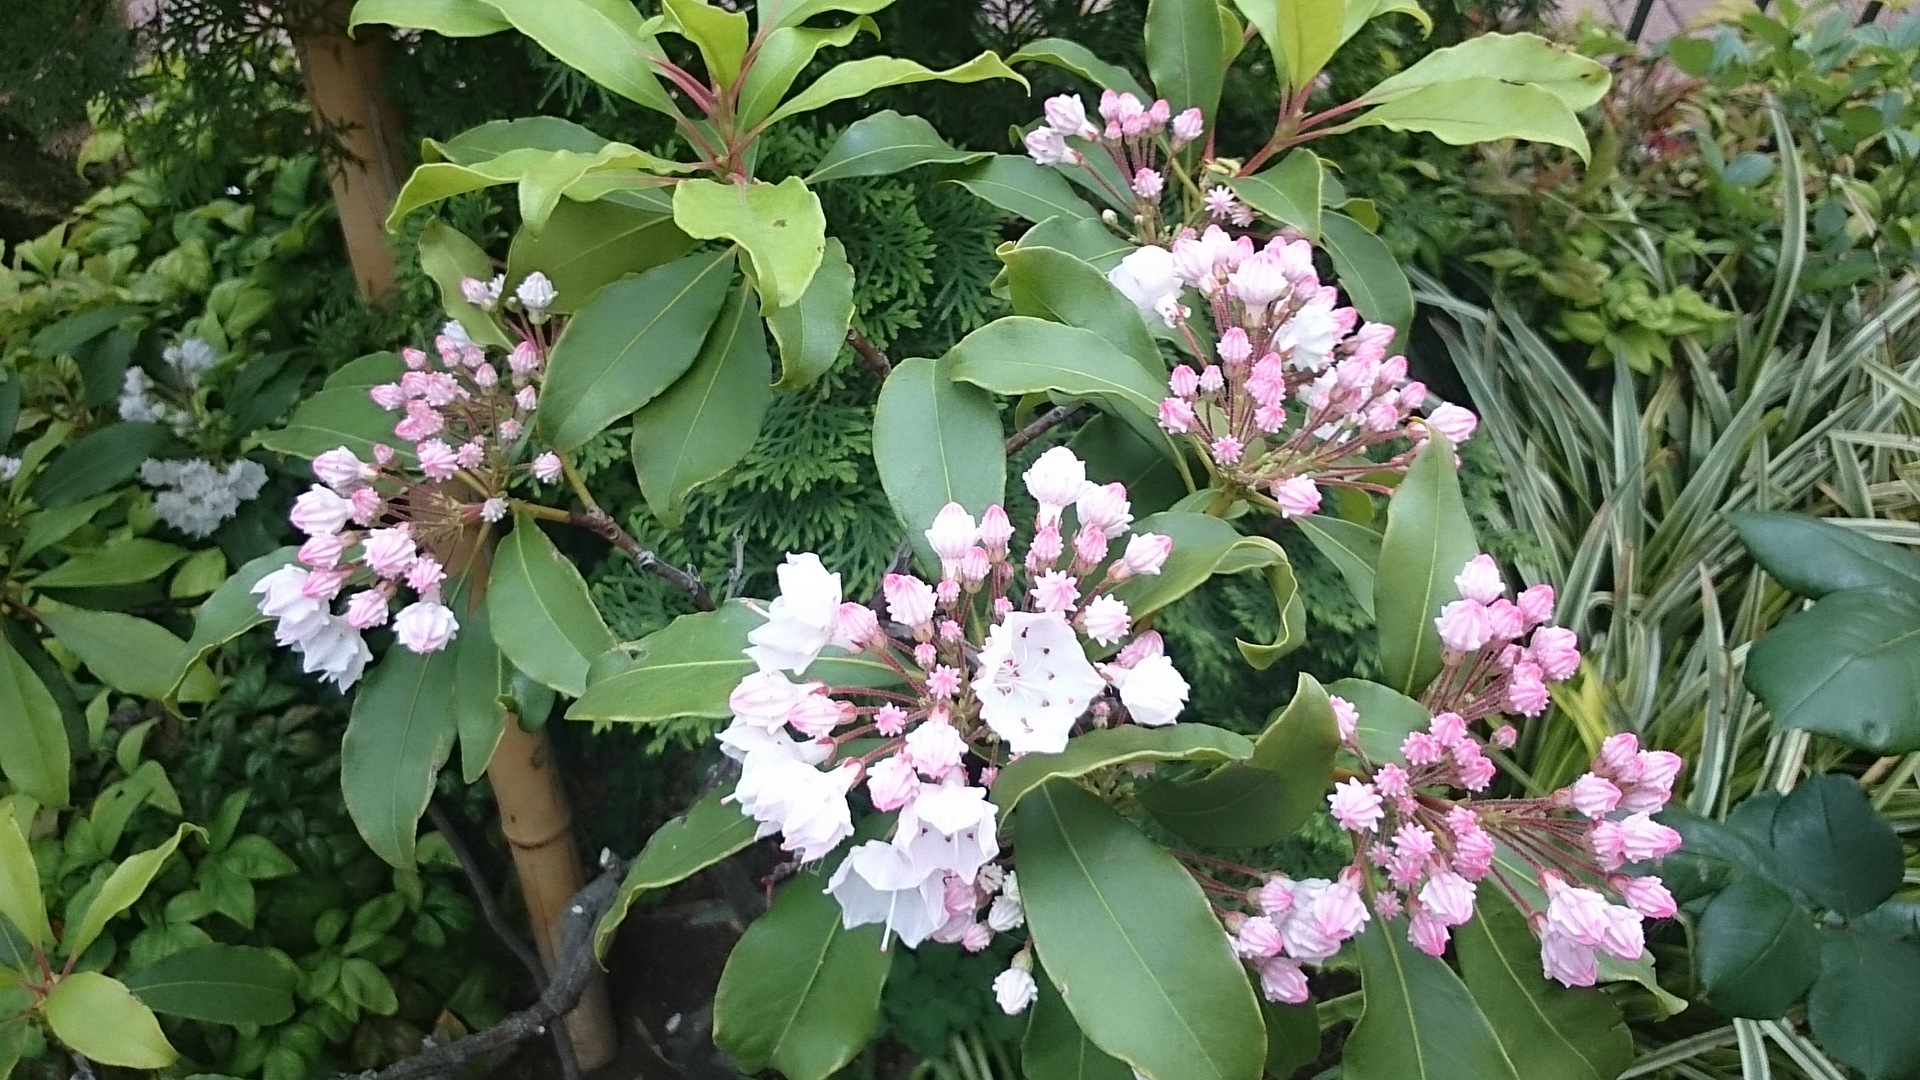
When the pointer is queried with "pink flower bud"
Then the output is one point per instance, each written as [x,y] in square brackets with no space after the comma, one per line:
[1188,126]
[437,460]
[1148,184]
[1456,423]
[367,609]
[934,748]
[1506,620]
[387,395]
[547,467]
[816,715]
[414,358]
[977,937]
[1176,416]
[1464,626]
[1356,806]
[1619,758]
[1067,114]
[367,506]
[1054,591]
[425,626]
[996,531]
[389,553]
[1345,717]
[1184,383]
[1428,933]
[1275,897]
[341,470]
[1556,650]
[953,534]
[1105,507]
[1257,938]
[890,720]
[1281,980]
[1536,604]
[1646,895]
[1504,737]
[1146,553]
[858,625]
[1480,581]
[320,512]
[1106,620]
[1298,496]
[909,600]
[323,552]
[1594,796]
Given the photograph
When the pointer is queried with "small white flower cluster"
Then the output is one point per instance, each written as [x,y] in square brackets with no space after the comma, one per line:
[195,495]
[9,467]
[144,401]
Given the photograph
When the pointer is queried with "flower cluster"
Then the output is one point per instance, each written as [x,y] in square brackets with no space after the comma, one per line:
[1138,142]
[143,400]
[1298,922]
[1295,390]
[395,523]
[1487,671]
[195,495]
[989,661]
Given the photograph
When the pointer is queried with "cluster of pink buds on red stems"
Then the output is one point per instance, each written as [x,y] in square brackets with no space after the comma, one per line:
[991,662]
[377,530]
[1139,141]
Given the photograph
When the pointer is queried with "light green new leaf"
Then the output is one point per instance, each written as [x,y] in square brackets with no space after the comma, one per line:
[1302,35]
[1185,55]
[1051,284]
[1361,12]
[1204,546]
[784,54]
[721,36]
[540,613]
[1561,1033]
[34,754]
[589,245]
[448,257]
[484,142]
[130,654]
[542,176]
[1265,798]
[20,898]
[632,341]
[605,42]
[1420,1022]
[448,18]
[936,441]
[119,562]
[886,143]
[232,610]
[1077,58]
[125,885]
[1483,109]
[1354,550]
[795,12]
[1124,929]
[399,734]
[858,78]
[1023,189]
[800,993]
[1117,746]
[708,420]
[221,984]
[1367,271]
[708,832]
[1290,192]
[100,1019]
[1428,541]
[780,226]
[1515,58]
[1024,355]
[812,332]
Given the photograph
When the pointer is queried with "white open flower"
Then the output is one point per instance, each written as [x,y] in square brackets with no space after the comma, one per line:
[878,883]
[1034,682]
[1147,278]
[1152,690]
[802,620]
[949,829]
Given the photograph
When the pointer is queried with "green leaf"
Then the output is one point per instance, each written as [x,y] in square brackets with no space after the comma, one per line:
[721,36]
[448,18]
[120,562]
[46,528]
[1482,109]
[130,654]
[887,143]
[589,245]
[784,54]
[1204,546]
[1121,745]
[1086,238]
[342,413]
[447,257]
[221,984]
[1419,1023]
[1862,1006]
[1265,798]
[1289,192]
[780,226]
[1387,717]
[1561,1033]
[1814,557]
[812,332]
[484,693]
[710,831]
[1185,55]
[1050,284]
[1755,950]
[1361,12]
[399,734]
[1306,33]
[232,610]
[99,461]
[1354,550]
[541,615]
[1054,1048]
[936,441]
[1023,189]
[628,344]
[1848,667]
[1077,58]
[1832,847]
[541,176]
[123,886]
[795,12]
[1293,1036]
[800,994]
[487,141]
[13,1043]
[708,420]
[858,78]
[1428,541]
[1528,59]
[20,898]
[1149,976]
[1023,355]
[34,753]
[1368,273]
[604,42]
[100,1019]
[367,986]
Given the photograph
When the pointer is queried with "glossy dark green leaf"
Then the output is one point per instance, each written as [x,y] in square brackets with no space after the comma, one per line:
[1428,541]
[400,732]
[587,246]
[1023,189]
[1186,55]
[1293,1037]
[1814,557]
[1077,58]
[1115,453]
[1023,355]
[1848,668]
[1863,1005]
[1204,546]
[222,984]
[1367,271]
[130,654]
[813,332]
[1756,950]
[97,462]
[1354,550]
[1558,1032]
[483,691]
[1126,933]
[1050,284]
[708,832]
[1831,846]
[1265,798]
[1117,746]
[1420,1021]
[886,143]
[1086,238]
[341,414]
[936,441]
[542,616]
[1289,192]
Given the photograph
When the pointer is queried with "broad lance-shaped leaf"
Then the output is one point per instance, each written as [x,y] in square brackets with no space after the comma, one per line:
[222,984]
[34,754]
[936,441]
[1560,1033]
[1023,355]
[100,1019]
[1848,667]
[483,698]
[780,226]
[1290,192]
[448,256]
[628,344]
[784,54]
[1420,1022]
[1054,1048]
[342,413]
[800,993]
[1354,550]
[119,891]
[607,43]
[541,615]
[118,562]
[708,420]
[130,654]
[1119,924]
[20,898]
[1265,798]
[1477,110]
[1021,188]
[448,18]
[1055,285]
[1529,59]
[1361,12]
[1117,746]
[1367,271]
[97,462]
[812,332]
[399,734]
[1077,58]
[1204,546]
[541,178]
[719,34]
[1428,541]
[1186,56]
[857,78]
[710,831]
[886,143]
[588,246]
[232,610]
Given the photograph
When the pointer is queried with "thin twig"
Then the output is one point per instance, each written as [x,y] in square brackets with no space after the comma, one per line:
[1040,425]
[601,524]
[870,355]
[573,969]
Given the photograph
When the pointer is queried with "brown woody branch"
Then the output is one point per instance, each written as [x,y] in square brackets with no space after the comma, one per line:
[601,524]
[870,355]
[1039,426]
